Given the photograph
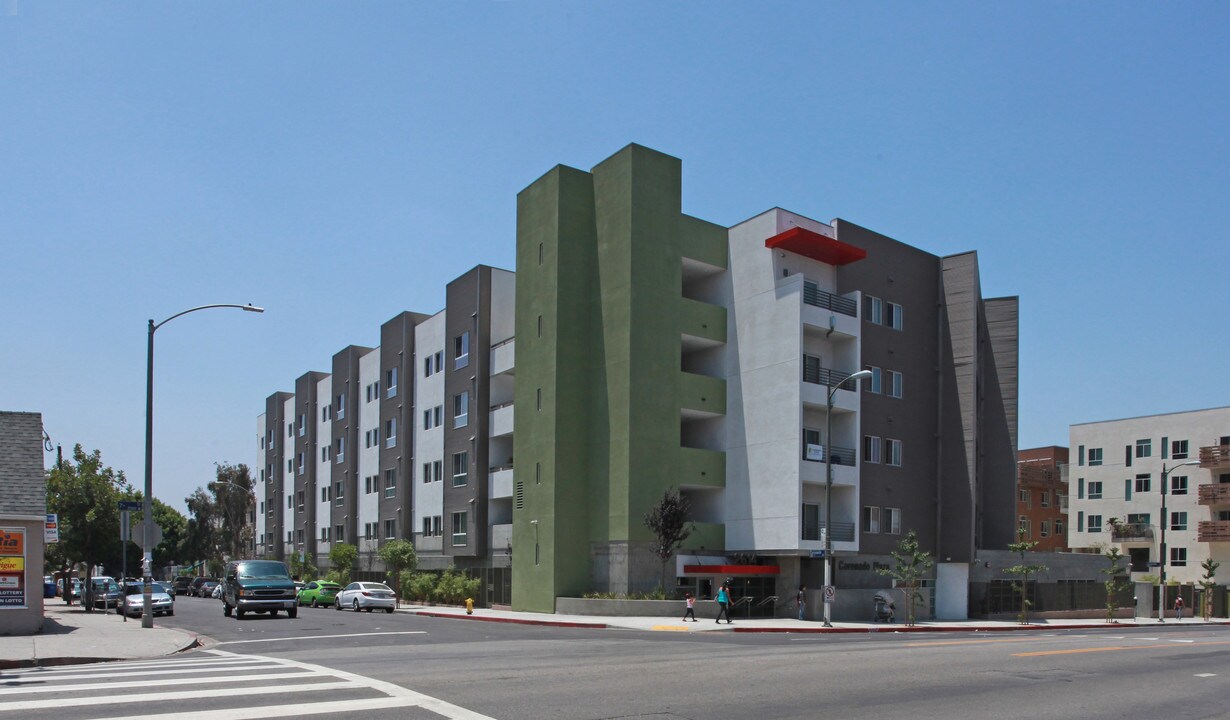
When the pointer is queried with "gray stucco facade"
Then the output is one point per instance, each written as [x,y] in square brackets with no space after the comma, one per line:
[23,514]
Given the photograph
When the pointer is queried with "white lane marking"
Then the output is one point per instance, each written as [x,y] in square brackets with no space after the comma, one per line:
[276,711]
[255,665]
[184,695]
[324,637]
[1206,674]
[75,687]
[93,670]
[1182,641]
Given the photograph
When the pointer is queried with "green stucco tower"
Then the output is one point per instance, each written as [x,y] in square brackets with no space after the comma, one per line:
[607,397]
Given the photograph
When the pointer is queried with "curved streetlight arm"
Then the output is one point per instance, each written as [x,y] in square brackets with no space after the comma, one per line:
[247,308]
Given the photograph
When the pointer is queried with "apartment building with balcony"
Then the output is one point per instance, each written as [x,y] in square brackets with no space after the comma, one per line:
[1126,470]
[409,439]
[1042,497]
[660,351]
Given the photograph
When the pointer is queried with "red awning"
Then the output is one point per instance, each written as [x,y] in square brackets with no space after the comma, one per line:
[731,569]
[815,246]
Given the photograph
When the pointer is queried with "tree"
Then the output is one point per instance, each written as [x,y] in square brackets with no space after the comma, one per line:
[1115,582]
[233,498]
[670,521]
[200,537]
[398,556]
[300,567]
[911,564]
[1207,584]
[86,493]
[342,556]
[1023,571]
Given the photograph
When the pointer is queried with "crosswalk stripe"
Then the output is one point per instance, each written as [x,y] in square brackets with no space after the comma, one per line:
[94,670]
[276,711]
[184,695]
[74,687]
[254,665]
[323,637]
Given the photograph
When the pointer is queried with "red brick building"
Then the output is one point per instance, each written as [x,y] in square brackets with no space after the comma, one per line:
[1042,496]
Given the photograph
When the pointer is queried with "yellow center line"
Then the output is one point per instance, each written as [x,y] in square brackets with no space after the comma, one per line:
[935,643]
[1074,651]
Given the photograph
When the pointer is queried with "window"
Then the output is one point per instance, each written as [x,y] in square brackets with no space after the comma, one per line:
[892,520]
[877,380]
[367,485]
[1044,529]
[338,492]
[539,253]
[871,449]
[892,452]
[341,406]
[368,531]
[871,519]
[1022,527]
[1143,483]
[324,494]
[438,415]
[895,382]
[324,413]
[1080,521]
[873,309]
[1144,448]
[390,528]
[1095,456]
[390,482]
[1059,527]
[812,449]
[290,502]
[439,358]
[811,521]
[1095,489]
[302,424]
[427,372]
[537,473]
[300,495]
[1178,485]
[324,454]
[1178,521]
[461,409]
[290,429]
[1178,557]
[299,467]
[324,534]
[1080,455]
[1178,449]
[893,315]
[262,507]
[426,472]
[390,432]
[1095,523]
[437,471]
[461,350]
[1045,497]
[459,528]
[1023,496]
[426,526]
[290,466]
[339,533]
[461,468]
[539,326]
[339,450]
[390,381]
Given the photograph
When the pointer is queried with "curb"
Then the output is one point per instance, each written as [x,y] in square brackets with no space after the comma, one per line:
[515,621]
[966,628]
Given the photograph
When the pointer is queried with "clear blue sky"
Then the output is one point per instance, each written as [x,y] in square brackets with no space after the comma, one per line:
[338,163]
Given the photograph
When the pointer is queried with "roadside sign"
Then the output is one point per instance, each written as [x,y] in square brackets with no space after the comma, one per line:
[51,531]
[1155,563]
[157,533]
[130,504]
[125,531]
[817,553]
[830,594]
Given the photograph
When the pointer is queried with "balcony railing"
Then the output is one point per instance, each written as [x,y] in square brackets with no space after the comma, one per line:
[842,532]
[1213,531]
[841,455]
[816,375]
[813,295]
[1213,494]
[1128,532]
[1215,456]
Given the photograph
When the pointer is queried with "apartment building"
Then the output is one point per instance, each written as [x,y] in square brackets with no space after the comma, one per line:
[660,351]
[1157,487]
[1042,497]
[409,439]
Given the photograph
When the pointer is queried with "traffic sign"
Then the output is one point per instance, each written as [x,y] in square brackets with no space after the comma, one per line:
[830,594]
[817,553]
[130,505]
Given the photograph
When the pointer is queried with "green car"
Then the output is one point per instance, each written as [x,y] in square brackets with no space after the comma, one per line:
[318,592]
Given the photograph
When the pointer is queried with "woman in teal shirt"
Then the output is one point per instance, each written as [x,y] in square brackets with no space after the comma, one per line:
[723,601]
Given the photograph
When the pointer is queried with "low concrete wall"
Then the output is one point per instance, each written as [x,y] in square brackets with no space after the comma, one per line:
[631,608]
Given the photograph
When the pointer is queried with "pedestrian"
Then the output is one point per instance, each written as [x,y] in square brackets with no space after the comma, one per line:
[723,601]
[1178,608]
[691,611]
[800,600]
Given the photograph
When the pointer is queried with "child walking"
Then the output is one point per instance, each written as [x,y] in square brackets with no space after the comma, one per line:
[691,611]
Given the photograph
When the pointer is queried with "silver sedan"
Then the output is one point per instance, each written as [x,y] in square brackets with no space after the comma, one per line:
[133,604]
[366,596]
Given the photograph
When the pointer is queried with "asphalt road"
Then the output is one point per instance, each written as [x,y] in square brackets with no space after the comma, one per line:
[514,672]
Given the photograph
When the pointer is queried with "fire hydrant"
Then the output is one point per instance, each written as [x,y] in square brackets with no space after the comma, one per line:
[469,606]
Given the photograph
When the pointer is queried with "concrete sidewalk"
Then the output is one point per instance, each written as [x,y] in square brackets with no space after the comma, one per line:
[71,635]
[788,625]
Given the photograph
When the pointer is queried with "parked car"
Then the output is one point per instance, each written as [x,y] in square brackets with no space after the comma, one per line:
[76,587]
[258,586]
[195,588]
[181,584]
[206,589]
[318,592]
[366,596]
[133,605]
[106,592]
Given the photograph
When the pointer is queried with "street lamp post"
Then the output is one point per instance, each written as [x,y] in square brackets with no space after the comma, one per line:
[147,563]
[828,487]
[1161,605]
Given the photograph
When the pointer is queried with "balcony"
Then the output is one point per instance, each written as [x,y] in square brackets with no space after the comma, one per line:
[702,468]
[842,531]
[702,324]
[831,312]
[1214,494]
[1132,532]
[701,395]
[706,535]
[500,483]
[1213,531]
[816,375]
[503,356]
[814,296]
[501,538]
[501,420]
[1215,457]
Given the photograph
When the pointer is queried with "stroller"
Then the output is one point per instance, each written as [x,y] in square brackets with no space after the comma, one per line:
[884,607]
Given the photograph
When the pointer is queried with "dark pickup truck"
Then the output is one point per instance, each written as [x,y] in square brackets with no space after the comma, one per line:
[262,586]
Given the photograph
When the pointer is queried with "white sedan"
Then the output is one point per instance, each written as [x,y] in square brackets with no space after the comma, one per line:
[366,596]
[133,603]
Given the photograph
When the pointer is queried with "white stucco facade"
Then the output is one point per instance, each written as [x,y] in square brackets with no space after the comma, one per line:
[428,428]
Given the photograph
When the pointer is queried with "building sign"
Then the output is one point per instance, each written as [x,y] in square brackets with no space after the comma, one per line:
[12,567]
[51,532]
[815,453]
